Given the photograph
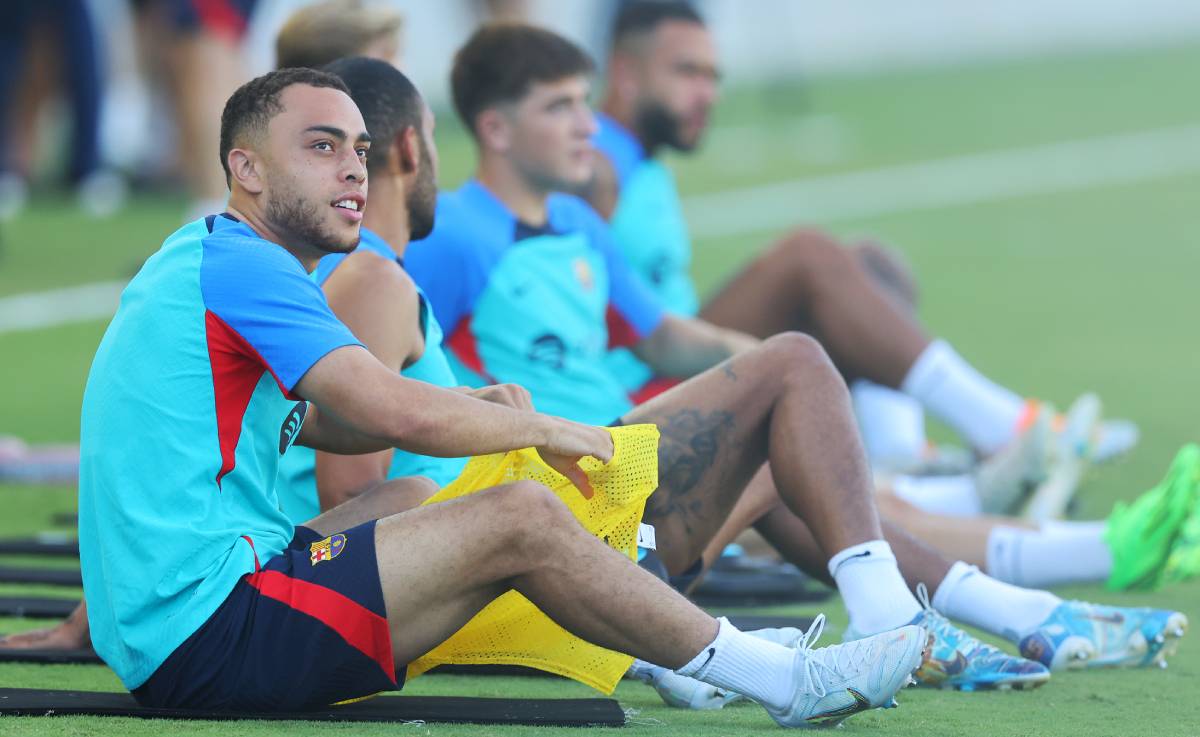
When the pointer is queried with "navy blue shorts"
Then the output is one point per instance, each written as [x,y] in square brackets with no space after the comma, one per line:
[306,630]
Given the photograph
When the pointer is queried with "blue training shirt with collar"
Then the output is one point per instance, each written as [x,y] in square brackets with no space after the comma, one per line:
[298,492]
[189,406]
[650,231]
[539,307]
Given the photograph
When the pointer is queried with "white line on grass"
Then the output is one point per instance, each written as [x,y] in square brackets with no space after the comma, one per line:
[959,180]
[36,310]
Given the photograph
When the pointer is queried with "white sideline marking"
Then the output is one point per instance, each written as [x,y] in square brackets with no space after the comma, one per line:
[36,310]
[960,180]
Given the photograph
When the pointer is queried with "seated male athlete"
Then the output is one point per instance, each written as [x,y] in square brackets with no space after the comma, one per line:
[661,84]
[314,36]
[223,353]
[530,290]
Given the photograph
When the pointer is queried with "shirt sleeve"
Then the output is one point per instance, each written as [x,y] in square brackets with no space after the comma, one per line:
[262,304]
[634,311]
[447,266]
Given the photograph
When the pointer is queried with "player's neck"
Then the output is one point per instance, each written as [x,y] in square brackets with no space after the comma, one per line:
[389,220]
[525,200]
[256,222]
[624,115]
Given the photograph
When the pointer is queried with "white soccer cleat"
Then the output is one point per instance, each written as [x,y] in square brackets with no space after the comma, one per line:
[1114,439]
[1070,459]
[836,682]
[1003,479]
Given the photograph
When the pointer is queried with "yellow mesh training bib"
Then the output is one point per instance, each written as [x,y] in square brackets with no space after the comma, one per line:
[511,630]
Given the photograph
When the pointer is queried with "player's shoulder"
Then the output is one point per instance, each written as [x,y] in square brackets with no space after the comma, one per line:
[369,270]
[465,223]
[617,147]
[571,213]
[230,244]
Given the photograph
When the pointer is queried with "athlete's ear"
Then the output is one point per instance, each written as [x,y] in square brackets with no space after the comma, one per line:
[405,157]
[245,171]
[494,129]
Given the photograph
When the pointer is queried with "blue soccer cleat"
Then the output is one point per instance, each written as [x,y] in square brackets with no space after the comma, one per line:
[1082,635]
[956,660]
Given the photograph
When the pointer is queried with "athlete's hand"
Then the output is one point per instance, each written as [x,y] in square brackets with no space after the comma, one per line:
[508,395]
[568,442]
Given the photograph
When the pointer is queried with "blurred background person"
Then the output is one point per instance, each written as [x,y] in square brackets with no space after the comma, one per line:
[48,47]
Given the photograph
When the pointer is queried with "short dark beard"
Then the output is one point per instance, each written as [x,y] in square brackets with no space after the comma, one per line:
[656,127]
[421,200]
[299,223]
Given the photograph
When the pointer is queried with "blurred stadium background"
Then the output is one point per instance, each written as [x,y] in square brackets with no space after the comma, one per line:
[1038,162]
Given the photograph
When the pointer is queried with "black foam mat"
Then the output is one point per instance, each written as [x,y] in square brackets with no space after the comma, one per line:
[36,607]
[547,712]
[50,657]
[44,545]
[49,576]
[756,588]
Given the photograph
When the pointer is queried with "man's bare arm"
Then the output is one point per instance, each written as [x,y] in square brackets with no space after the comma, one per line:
[684,347]
[379,303]
[365,407]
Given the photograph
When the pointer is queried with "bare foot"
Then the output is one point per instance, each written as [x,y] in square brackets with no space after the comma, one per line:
[70,634]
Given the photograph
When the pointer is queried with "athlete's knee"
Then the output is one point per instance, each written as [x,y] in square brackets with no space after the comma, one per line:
[812,255]
[792,351]
[528,504]
[890,270]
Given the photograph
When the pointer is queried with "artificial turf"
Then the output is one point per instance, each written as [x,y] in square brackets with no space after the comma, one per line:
[1052,294]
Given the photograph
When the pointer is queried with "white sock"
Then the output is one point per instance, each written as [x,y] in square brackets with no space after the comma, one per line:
[892,424]
[1058,553]
[983,412]
[876,597]
[954,496]
[972,597]
[748,665]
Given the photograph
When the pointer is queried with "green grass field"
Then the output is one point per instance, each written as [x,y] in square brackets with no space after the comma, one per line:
[1090,289]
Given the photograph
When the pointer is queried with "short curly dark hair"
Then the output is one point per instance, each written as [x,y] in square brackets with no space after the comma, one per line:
[251,107]
[387,99]
[503,60]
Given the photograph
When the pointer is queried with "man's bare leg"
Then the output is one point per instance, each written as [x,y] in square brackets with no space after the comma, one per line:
[442,563]
[808,281]
[762,508]
[382,500]
[958,538]
[783,402]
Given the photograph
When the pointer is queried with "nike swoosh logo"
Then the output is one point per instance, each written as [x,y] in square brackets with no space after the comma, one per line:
[860,703]
[711,652]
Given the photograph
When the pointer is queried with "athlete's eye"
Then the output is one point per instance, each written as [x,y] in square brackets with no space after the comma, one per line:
[323,146]
[362,153]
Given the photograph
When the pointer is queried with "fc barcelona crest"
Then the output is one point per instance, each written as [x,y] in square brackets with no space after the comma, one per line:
[327,549]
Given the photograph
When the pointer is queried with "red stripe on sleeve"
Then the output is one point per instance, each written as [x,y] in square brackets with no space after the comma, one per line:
[621,333]
[465,348]
[236,369]
[361,628]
